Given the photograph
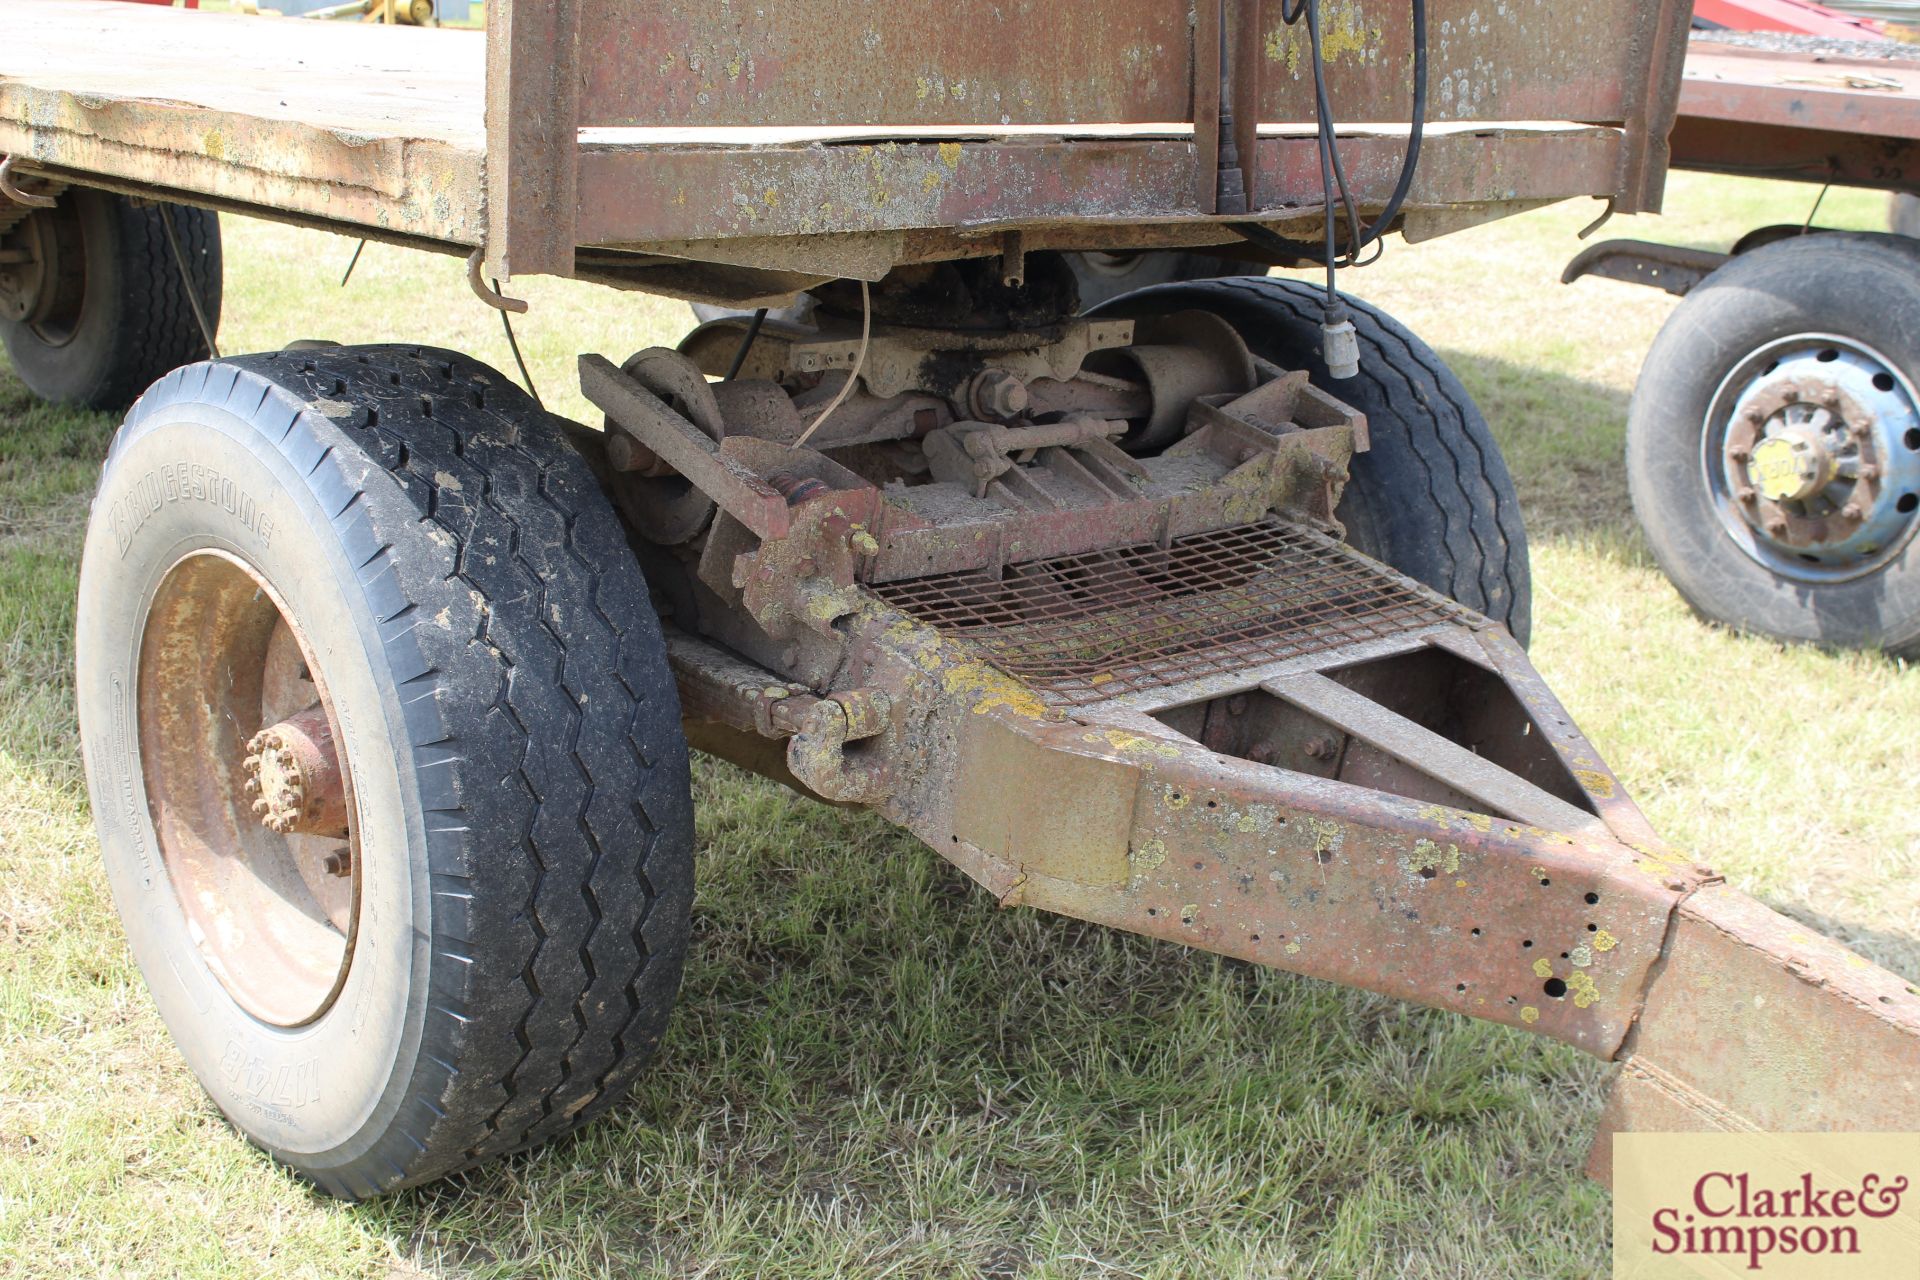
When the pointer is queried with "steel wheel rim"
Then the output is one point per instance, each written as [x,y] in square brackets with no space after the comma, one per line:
[1869,386]
[221,663]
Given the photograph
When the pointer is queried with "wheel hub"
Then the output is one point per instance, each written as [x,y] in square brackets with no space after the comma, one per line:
[23,263]
[293,775]
[1819,458]
[1790,467]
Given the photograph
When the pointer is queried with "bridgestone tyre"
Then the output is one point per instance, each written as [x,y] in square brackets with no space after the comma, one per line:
[128,319]
[522,821]
[1432,497]
[1105,276]
[1863,289]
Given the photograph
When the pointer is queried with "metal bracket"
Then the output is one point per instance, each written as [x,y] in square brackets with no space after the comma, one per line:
[11,189]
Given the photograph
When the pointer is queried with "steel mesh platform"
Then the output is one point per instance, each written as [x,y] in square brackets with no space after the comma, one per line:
[1082,629]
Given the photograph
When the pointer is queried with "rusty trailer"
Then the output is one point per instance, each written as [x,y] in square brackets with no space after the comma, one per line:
[1774,441]
[1154,615]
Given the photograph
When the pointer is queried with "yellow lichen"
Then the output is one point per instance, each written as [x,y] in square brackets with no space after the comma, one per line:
[1121,740]
[1543,968]
[1595,782]
[1529,1014]
[1583,988]
[991,690]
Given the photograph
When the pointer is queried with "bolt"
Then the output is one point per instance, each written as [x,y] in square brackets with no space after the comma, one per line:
[999,394]
[1321,748]
[1262,753]
[1748,495]
[1752,417]
[1851,511]
[1867,471]
[251,786]
[1791,395]
[259,806]
[1739,455]
[1830,398]
[339,862]
[1777,527]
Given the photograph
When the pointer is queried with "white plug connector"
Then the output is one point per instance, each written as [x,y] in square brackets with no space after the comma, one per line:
[1340,348]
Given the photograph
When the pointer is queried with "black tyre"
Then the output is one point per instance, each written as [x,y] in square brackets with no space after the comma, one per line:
[1432,497]
[1773,445]
[100,309]
[1105,276]
[463,935]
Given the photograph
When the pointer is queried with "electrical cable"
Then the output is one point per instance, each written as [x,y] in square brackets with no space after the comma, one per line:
[853,374]
[186,280]
[746,344]
[1358,239]
[506,322]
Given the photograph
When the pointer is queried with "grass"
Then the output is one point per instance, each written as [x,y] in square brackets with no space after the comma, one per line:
[872,1072]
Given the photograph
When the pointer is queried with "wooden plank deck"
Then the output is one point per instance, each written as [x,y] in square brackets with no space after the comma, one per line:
[343,122]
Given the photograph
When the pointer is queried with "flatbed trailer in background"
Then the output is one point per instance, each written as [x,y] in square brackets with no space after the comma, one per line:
[1774,442]
[1154,615]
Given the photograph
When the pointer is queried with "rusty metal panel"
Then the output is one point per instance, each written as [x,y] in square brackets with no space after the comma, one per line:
[1804,155]
[1077,825]
[1754,1021]
[1754,88]
[908,62]
[532,122]
[633,196]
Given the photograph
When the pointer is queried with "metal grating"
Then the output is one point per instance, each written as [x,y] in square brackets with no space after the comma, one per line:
[1086,628]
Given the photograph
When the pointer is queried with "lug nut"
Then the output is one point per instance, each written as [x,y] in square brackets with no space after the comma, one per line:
[1777,527]
[1748,495]
[1739,455]
[339,862]
[1851,511]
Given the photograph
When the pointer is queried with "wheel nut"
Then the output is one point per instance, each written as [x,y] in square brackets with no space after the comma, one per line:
[1748,495]
[339,862]
[1777,527]
[1739,455]
[1851,511]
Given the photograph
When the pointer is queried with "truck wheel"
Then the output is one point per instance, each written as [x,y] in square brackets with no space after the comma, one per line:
[1773,445]
[1432,497]
[385,758]
[99,310]
[1105,276]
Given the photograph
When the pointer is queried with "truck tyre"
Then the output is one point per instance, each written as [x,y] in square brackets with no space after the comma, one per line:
[1773,443]
[1432,497]
[385,758]
[1105,276]
[104,310]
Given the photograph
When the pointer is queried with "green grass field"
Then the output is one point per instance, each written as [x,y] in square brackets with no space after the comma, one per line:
[872,1071]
